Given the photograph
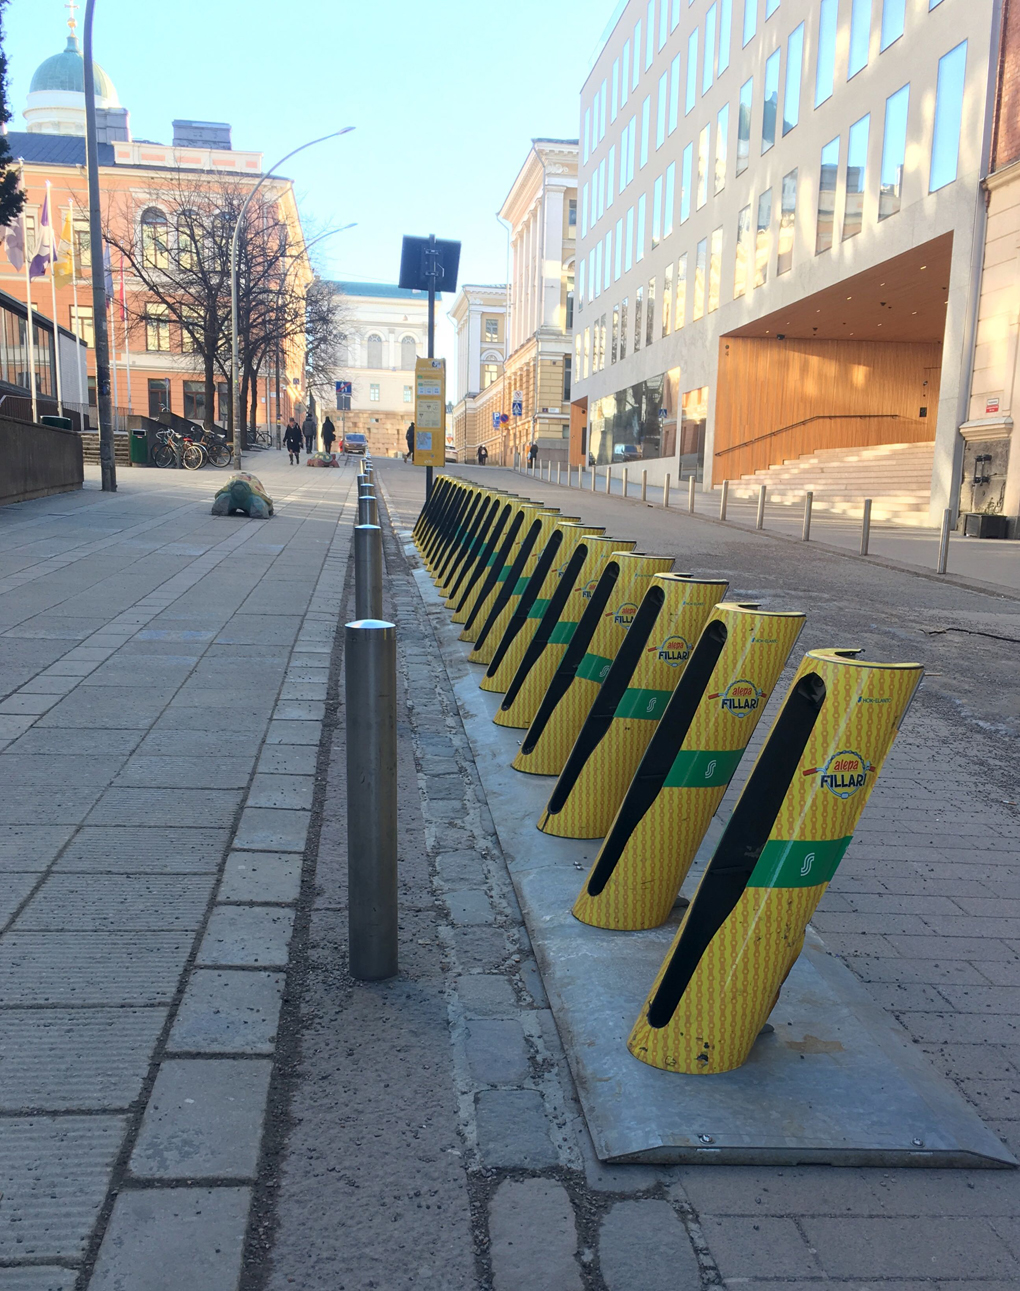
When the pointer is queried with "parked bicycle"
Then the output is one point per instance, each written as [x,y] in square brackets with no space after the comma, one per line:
[194,453]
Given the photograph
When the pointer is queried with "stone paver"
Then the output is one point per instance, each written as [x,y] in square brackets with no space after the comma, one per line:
[645,1242]
[528,1217]
[226,1011]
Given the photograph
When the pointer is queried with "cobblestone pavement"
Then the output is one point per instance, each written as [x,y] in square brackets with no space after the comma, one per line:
[195,1095]
[163,676]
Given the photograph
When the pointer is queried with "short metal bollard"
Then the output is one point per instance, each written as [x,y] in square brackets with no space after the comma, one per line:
[368,567]
[809,498]
[665,492]
[625,481]
[594,478]
[691,485]
[368,509]
[944,542]
[644,486]
[609,479]
[760,521]
[559,466]
[866,527]
[370,656]
[724,498]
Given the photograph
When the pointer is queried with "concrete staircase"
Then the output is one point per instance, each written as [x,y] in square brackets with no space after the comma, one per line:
[121,447]
[897,478]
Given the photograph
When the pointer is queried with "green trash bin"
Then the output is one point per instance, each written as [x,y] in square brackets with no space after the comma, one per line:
[61,423]
[139,448]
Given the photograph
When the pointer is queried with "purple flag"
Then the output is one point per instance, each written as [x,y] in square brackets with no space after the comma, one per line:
[46,247]
[14,244]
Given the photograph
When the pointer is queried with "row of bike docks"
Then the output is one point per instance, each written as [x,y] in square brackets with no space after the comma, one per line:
[639,688]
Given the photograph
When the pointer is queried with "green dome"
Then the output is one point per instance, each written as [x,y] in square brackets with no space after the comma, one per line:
[66,71]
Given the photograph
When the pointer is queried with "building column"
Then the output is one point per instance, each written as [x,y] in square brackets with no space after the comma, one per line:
[552,265]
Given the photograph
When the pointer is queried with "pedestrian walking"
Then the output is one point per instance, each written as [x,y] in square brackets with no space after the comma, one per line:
[409,437]
[533,454]
[328,436]
[483,454]
[292,439]
[309,433]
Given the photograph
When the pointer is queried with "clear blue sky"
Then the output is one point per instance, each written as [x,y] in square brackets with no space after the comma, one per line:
[444,97]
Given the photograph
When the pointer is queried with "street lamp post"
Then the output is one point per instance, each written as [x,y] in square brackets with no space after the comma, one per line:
[107,461]
[235,377]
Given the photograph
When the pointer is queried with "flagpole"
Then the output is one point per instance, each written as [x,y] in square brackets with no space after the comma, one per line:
[83,390]
[31,338]
[53,297]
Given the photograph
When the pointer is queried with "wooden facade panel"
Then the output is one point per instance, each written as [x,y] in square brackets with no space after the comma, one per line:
[779,400]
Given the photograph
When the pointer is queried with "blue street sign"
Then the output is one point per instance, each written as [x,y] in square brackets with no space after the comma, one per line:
[495,421]
[343,387]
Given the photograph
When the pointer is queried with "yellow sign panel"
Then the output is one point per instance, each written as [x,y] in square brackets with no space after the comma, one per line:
[430,412]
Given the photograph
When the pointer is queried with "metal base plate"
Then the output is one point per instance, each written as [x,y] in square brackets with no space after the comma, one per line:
[837,1082]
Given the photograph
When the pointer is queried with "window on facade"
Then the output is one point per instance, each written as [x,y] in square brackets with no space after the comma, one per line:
[641,213]
[491,330]
[623,326]
[742,262]
[627,171]
[580,297]
[159,396]
[708,66]
[81,324]
[586,353]
[892,22]
[567,369]
[587,134]
[945,144]
[489,373]
[667,298]
[373,393]
[614,352]
[770,108]
[657,213]
[674,93]
[650,313]
[584,210]
[669,200]
[700,258]
[722,132]
[894,151]
[602,113]
[692,71]
[194,400]
[744,125]
[680,309]
[154,239]
[650,35]
[685,183]
[188,240]
[222,402]
[639,317]
[770,8]
[628,251]
[725,34]
[83,244]
[374,351]
[674,17]
[794,72]
[750,20]
[714,269]
[157,327]
[825,67]
[827,195]
[618,258]
[856,165]
[597,275]
[860,36]
[763,239]
[572,214]
[646,119]
[191,328]
[608,272]
[660,116]
[625,74]
[637,56]
[787,222]
[663,22]
[614,106]
[704,145]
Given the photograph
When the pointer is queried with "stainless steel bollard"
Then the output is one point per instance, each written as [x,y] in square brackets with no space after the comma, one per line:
[724,498]
[644,486]
[944,542]
[625,481]
[809,498]
[609,479]
[691,485]
[368,568]
[368,509]
[370,657]
[559,466]
[760,521]
[866,527]
[594,477]
[665,492]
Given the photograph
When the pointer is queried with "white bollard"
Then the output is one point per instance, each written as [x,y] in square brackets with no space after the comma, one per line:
[665,492]
[609,479]
[724,498]
[690,495]
[625,481]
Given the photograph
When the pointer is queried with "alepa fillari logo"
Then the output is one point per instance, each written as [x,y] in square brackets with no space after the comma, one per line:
[588,590]
[623,615]
[674,651]
[741,698]
[845,773]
